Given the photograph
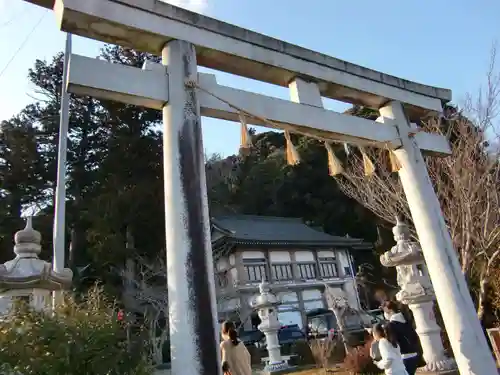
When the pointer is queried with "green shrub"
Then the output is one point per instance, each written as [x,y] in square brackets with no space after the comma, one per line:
[78,338]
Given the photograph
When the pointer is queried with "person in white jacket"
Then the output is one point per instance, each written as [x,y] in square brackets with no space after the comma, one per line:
[390,357]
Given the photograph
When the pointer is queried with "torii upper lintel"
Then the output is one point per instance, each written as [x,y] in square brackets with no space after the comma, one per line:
[148,25]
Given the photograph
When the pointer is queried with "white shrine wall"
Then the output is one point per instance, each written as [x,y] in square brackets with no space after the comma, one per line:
[343,258]
[326,253]
[304,256]
[252,254]
[281,256]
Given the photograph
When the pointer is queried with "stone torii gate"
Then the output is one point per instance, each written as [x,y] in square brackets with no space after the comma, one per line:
[185,39]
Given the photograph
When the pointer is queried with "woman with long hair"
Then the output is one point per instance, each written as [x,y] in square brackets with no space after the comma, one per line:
[390,356]
[235,356]
[405,335]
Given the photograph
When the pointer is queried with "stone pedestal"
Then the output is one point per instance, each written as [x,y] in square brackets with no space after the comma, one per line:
[266,305]
[429,333]
[430,338]
[420,371]
[417,292]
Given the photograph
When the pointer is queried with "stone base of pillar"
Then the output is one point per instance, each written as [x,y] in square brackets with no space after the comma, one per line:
[446,366]
[448,372]
[278,369]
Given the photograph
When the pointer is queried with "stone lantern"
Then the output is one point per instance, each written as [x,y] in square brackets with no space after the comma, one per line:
[27,275]
[417,292]
[266,304]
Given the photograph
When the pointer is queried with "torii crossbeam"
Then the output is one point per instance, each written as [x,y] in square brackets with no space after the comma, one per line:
[185,39]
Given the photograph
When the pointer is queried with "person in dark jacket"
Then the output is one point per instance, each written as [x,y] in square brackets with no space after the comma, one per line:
[406,336]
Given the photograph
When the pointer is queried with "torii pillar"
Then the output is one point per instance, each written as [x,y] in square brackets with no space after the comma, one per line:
[469,344]
[191,289]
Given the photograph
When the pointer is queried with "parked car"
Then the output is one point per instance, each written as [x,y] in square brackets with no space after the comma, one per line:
[287,336]
[377,315]
[322,323]
[251,337]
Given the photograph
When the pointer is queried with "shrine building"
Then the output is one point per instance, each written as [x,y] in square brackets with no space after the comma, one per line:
[296,259]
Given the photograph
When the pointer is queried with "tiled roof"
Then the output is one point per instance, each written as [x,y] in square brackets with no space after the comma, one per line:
[276,230]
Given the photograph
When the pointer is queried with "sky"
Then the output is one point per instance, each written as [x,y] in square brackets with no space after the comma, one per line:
[441,43]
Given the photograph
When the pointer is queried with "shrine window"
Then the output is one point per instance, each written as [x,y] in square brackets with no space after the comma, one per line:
[347,271]
[281,272]
[255,270]
[307,271]
[328,267]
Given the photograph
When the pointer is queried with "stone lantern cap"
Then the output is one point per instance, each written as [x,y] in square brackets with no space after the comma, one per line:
[406,251]
[266,298]
[401,230]
[27,270]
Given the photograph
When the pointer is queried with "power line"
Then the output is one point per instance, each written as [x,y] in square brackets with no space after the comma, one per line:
[14,17]
[22,44]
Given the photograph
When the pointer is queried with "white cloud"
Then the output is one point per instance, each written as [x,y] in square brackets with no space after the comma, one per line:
[199,6]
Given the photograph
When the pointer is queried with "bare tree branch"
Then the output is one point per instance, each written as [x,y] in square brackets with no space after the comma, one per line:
[467,182]
[146,284]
